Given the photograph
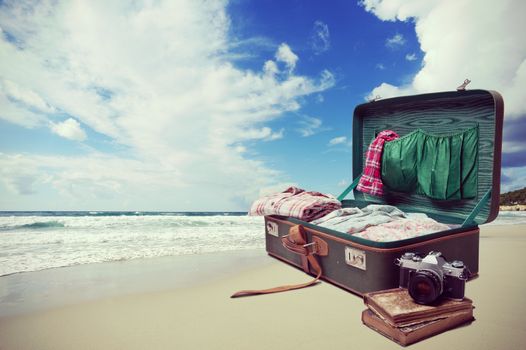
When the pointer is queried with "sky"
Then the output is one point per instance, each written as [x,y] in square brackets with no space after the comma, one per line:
[196,105]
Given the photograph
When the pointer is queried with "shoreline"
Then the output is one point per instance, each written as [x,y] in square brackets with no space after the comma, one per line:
[200,314]
[36,291]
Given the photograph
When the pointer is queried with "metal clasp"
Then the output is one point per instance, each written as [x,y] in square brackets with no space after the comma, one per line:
[376,98]
[311,244]
[463,86]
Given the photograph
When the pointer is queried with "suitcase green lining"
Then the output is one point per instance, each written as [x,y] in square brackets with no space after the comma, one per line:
[440,112]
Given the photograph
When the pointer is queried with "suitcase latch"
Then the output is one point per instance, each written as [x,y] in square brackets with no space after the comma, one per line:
[272,228]
[355,258]
[462,87]
[374,99]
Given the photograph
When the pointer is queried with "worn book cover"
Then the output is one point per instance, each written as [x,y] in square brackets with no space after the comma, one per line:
[416,332]
[397,308]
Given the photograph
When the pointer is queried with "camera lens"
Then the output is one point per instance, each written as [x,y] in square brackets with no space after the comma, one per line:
[425,287]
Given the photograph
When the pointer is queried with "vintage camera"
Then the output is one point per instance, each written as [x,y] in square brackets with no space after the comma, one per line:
[430,277]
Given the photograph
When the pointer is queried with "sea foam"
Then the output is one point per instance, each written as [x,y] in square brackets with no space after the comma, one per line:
[31,243]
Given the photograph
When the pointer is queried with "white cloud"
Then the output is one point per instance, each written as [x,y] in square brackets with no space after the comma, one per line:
[21,183]
[25,96]
[69,129]
[380,66]
[240,149]
[390,10]
[248,48]
[309,126]
[279,187]
[386,90]
[83,177]
[276,135]
[271,68]
[396,41]
[21,105]
[264,133]
[338,140]
[157,79]
[512,146]
[320,38]
[285,55]
[517,179]
[411,57]
[18,114]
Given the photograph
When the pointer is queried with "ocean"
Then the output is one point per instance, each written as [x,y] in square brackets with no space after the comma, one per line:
[32,241]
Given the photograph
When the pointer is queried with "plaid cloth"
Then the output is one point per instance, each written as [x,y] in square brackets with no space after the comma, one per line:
[296,203]
[371,181]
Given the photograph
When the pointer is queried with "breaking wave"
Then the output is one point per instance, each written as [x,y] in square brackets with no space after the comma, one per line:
[35,225]
[36,242]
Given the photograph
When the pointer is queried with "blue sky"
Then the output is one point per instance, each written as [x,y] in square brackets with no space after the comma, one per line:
[205,105]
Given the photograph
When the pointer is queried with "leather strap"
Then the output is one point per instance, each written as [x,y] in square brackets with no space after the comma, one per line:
[296,242]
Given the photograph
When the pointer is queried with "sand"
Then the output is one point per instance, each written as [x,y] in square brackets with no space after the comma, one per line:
[515,207]
[200,315]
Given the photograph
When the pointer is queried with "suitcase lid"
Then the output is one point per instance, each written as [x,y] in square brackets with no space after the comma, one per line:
[438,114]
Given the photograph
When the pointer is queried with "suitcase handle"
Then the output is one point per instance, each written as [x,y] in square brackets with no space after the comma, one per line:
[318,246]
[296,242]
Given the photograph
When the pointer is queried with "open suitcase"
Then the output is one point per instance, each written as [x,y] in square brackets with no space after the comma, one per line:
[361,265]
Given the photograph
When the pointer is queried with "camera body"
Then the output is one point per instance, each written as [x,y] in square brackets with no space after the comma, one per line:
[430,277]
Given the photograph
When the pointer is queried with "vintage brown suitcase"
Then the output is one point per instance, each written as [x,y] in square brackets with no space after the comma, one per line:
[360,265]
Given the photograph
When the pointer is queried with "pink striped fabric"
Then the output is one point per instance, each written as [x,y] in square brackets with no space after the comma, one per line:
[371,180]
[297,203]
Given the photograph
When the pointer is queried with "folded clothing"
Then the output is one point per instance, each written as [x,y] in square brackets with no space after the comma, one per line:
[353,220]
[297,203]
[380,223]
[375,222]
[403,228]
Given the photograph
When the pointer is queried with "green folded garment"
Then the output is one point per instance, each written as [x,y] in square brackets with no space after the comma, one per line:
[440,167]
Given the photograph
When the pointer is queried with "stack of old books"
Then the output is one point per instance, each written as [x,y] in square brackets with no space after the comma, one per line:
[394,314]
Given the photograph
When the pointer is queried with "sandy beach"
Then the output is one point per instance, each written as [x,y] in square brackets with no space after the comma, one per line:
[141,305]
